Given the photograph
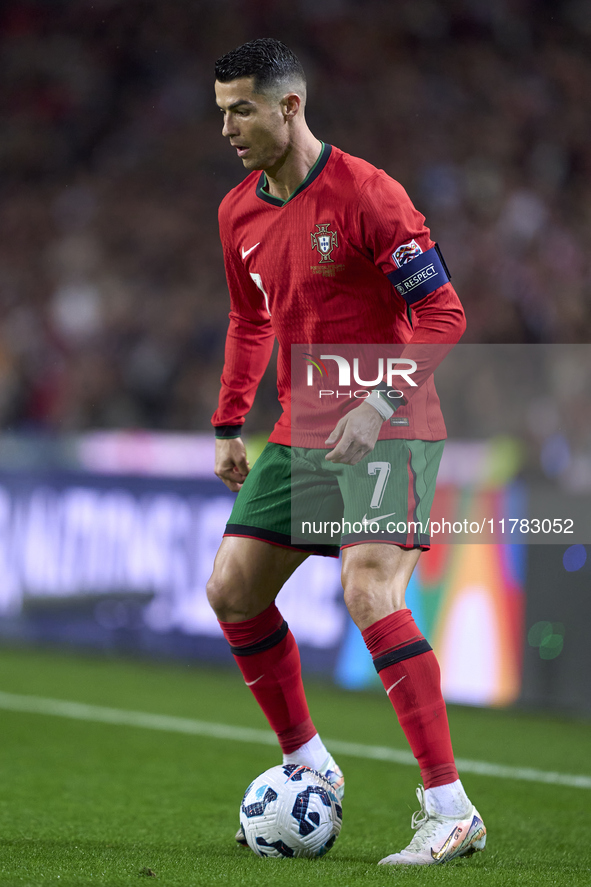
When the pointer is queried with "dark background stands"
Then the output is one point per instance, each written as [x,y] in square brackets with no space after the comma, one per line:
[113,302]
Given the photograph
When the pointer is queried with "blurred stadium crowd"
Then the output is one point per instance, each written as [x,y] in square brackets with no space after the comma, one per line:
[112,292]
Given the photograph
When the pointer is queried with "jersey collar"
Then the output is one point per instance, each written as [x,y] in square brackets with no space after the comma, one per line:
[312,175]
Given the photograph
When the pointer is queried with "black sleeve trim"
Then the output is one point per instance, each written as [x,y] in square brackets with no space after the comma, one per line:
[395,402]
[227,432]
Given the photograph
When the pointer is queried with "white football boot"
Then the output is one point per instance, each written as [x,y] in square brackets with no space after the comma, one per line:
[331,772]
[440,838]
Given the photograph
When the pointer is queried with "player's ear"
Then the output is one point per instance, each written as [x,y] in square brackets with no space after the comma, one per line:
[291,104]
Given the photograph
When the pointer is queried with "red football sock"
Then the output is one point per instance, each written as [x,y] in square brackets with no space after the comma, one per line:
[268,657]
[409,671]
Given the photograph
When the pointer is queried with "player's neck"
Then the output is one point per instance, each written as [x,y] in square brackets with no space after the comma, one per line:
[286,177]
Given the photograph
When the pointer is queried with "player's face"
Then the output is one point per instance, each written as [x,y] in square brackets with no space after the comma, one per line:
[254,123]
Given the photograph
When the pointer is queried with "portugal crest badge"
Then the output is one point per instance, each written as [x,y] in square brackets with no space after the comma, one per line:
[324,241]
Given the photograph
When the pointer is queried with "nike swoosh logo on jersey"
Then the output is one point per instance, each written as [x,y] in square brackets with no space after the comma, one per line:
[370,520]
[246,252]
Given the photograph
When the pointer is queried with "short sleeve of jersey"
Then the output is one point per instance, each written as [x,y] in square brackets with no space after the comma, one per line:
[390,226]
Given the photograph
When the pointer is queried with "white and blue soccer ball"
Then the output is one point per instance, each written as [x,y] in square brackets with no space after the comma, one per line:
[290,811]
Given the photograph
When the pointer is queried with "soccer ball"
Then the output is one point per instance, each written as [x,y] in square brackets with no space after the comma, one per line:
[290,810]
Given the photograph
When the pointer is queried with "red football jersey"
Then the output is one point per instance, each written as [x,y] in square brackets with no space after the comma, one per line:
[312,271]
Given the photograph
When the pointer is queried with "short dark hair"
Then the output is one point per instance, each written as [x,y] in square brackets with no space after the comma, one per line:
[267,60]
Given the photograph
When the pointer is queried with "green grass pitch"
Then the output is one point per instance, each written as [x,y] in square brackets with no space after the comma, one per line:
[87,803]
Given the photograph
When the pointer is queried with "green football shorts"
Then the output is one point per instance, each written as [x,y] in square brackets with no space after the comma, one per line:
[294,498]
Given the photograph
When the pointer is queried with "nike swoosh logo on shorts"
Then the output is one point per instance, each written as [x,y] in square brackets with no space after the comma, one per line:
[246,252]
[370,520]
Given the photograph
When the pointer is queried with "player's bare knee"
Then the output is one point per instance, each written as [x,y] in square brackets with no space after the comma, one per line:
[363,571]
[370,591]
[232,596]
[226,598]
[359,605]
[218,595]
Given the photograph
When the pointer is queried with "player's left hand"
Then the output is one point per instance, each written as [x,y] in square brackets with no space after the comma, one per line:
[358,432]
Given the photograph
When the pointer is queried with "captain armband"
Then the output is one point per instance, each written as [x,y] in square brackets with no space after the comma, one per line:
[420,276]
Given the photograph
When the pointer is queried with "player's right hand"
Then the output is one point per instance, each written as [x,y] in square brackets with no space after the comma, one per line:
[231,464]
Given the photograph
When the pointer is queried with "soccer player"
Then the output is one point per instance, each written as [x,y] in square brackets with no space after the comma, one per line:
[321,247]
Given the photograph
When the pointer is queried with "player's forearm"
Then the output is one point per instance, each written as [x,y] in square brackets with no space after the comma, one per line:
[248,350]
[439,319]
[439,323]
